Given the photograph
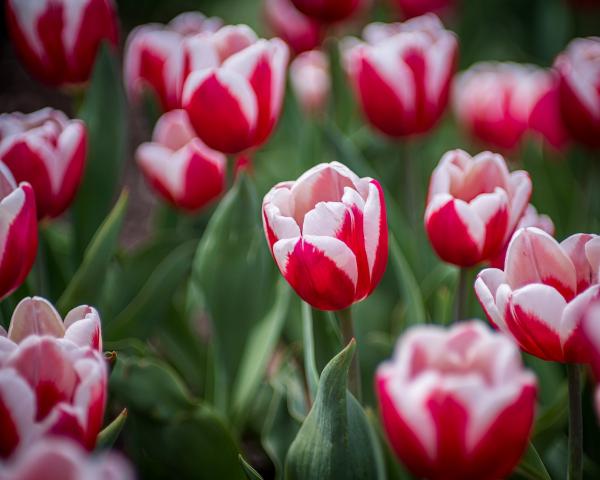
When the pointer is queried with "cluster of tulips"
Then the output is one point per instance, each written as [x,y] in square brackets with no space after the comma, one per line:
[455,402]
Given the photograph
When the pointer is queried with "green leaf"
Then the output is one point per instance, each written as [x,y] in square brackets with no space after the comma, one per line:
[308,342]
[109,434]
[104,113]
[531,466]
[251,474]
[335,440]
[85,286]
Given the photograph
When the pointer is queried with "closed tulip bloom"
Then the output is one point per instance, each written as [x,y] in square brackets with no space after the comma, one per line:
[300,32]
[309,74]
[181,169]
[579,68]
[591,333]
[58,40]
[543,292]
[19,234]
[57,458]
[47,150]
[52,376]
[401,73]
[328,11]
[456,404]
[156,57]
[234,101]
[415,8]
[473,206]
[327,232]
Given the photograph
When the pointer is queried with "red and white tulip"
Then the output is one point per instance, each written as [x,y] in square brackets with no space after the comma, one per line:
[52,376]
[327,232]
[300,32]
[579,68]
[58,40]
[309,74]
[47,150]
[591,332]
[473,206]
[401,73]
[328,11]
[543,293]
[456,404]
[181,169]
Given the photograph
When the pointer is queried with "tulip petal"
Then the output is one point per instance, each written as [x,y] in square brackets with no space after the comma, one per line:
[519,193]
[492,208]
[571,325]
[35,316]
[487,284]
[83,327]
[376,232]
[17,411]
[575,248]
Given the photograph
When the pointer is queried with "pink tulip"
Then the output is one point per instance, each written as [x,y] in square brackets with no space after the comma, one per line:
[61,459]
[47,150]
[181,169]
[327,232]
[542,294]
[328,11]
[456,404]
[300,32]
[498,103]
[52,376]
[58,40]
[401,74]
[579,68]
[157,56]
[415,8]
[473,206]
[235,100]
[309,74]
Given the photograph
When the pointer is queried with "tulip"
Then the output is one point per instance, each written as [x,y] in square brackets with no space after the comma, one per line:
[401,73]
[327,232]
[300,32]
[456,404]
[156,57]
[234,104]
[541,296]
[309,74]
[181,169]
[52,376]
[58,40]
[473,206]
[328,11]
[591,333]
[64,459]
[415,8]
[497,103]
[579,69]
[47,150]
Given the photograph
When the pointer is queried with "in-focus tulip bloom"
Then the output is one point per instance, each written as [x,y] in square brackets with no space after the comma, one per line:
[541,296]
[234,102]
[58,40]
[579,68]
[591,333]
[183,170]
[57,458]
[327,232]
[415,8]
[401,74]
[328,11]
[309,74]
[47,150]
[158,57]
[473,207]
[497,103]
[457,404]
[52,376]
[19,234]
[300,32]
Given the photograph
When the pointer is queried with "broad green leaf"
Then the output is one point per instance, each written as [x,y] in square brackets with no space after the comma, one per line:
[104,113]
[86,284]
[249,471]
[531,466]
[335,441]
[308,341]
[109,434]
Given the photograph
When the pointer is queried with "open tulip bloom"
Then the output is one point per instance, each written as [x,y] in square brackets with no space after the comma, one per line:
[327,232]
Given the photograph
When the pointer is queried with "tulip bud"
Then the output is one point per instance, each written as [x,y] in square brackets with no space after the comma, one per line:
[415,8]
[456,404]
[473,206]
[300,32]
[47,150]
[327,232]
[401,73]
[52,376]
[328,11]
[58,40]
[541,296]
[309,74]
[181,169]
[579,69]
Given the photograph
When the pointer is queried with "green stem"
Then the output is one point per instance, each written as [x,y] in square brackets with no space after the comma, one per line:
[409,184]
[310,367]
[347,325]
[462,292]
[575,424]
